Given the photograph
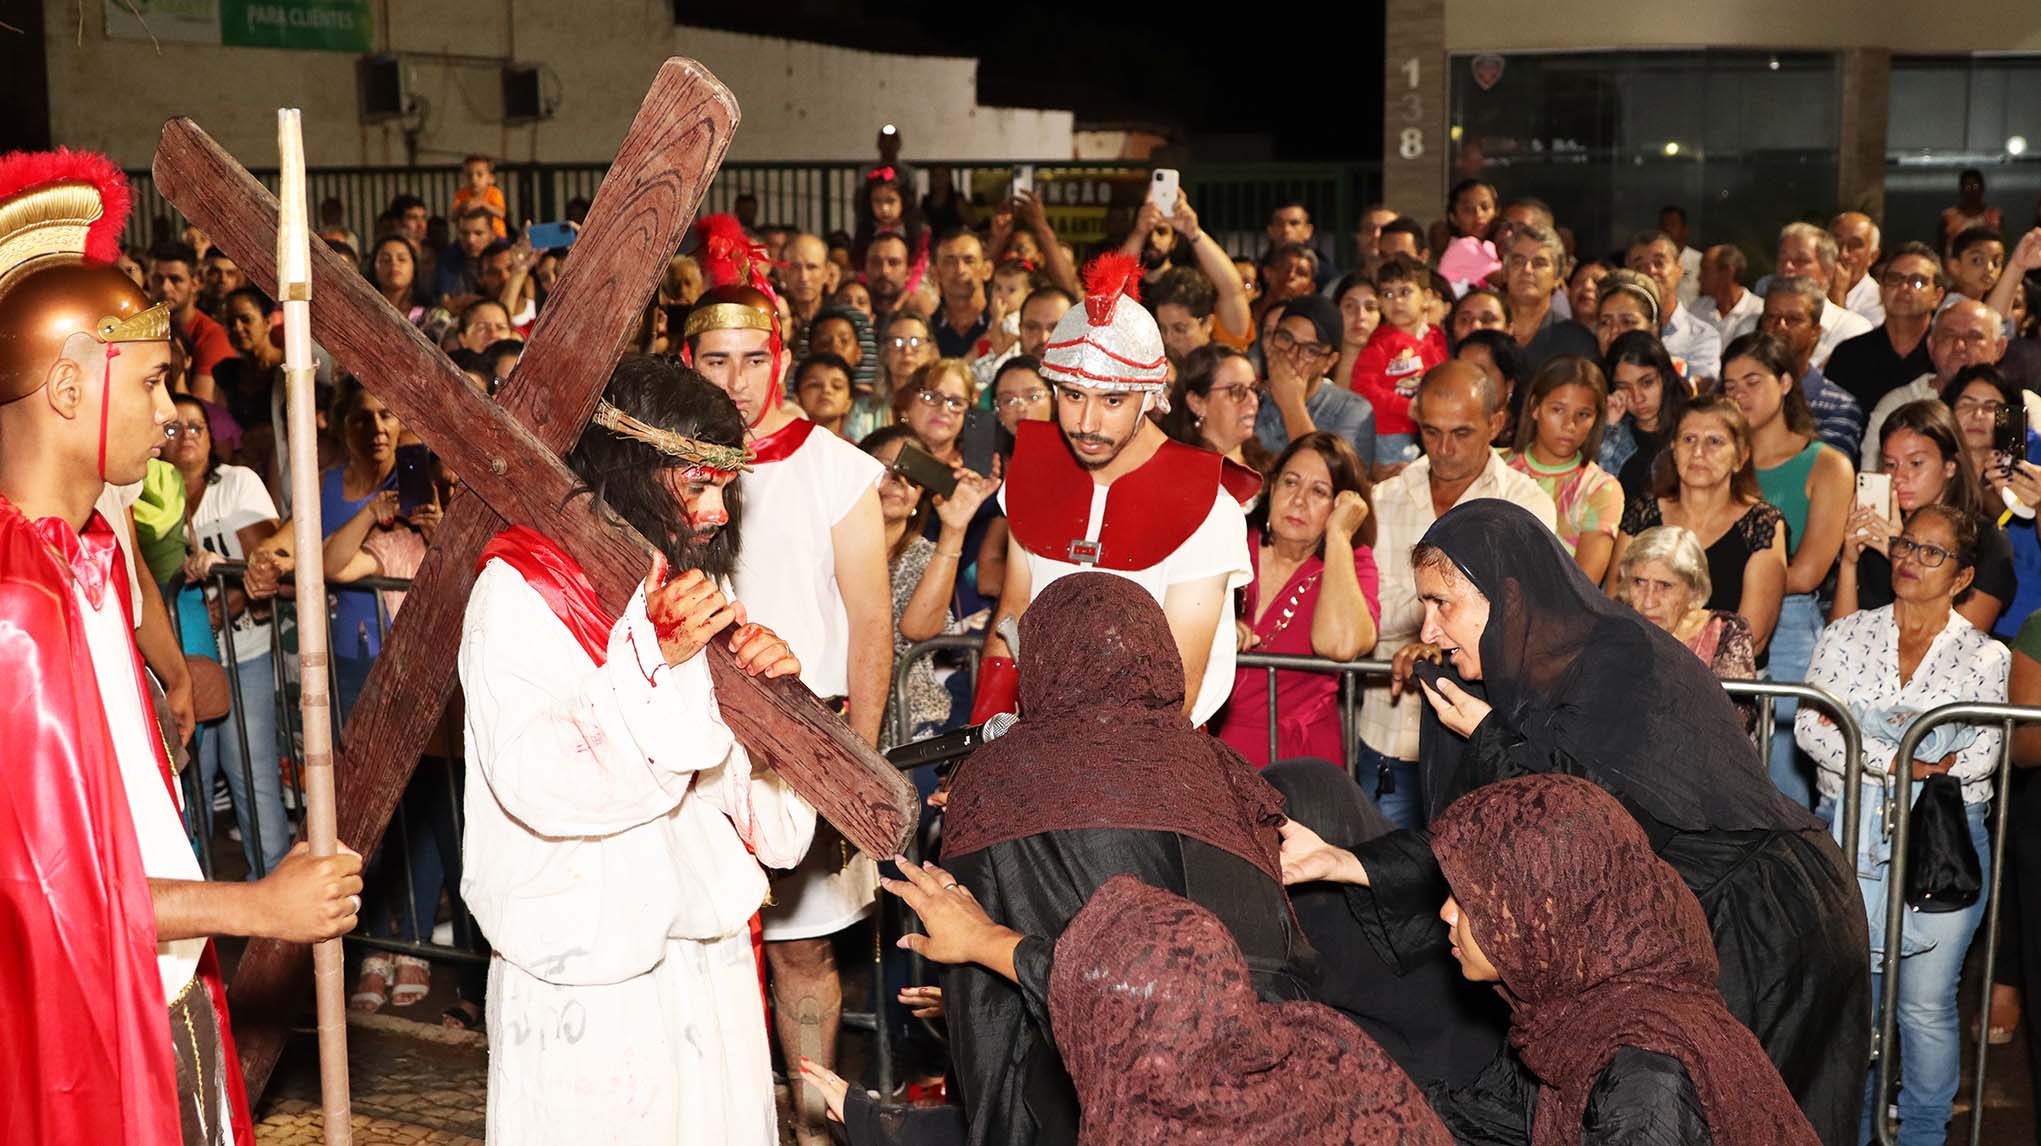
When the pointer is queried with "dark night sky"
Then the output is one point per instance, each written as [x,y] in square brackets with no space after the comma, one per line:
[1309,78]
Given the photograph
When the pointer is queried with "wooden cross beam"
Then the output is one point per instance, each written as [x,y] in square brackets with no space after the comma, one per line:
[508,455]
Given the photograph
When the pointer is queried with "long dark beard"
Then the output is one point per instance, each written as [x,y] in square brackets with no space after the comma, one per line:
[717,556]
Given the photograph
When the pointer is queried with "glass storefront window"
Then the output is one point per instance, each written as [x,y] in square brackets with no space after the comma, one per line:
[1745,142]
[1952,113]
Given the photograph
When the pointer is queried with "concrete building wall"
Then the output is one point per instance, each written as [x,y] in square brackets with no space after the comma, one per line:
[1901,25]
[800,101]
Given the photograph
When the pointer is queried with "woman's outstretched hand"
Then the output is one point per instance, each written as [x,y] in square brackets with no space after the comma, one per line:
[1458,709]
[1306,858]
[959,930]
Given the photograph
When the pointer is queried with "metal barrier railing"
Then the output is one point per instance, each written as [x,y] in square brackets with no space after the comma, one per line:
[1898,818]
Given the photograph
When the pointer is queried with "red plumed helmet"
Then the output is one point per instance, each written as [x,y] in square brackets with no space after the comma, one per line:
[1106,279]
[26,170]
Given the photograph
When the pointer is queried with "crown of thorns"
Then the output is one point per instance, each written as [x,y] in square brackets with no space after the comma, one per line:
[730,459]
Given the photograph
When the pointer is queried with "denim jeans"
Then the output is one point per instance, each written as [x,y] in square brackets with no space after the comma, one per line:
[1379,774]
[219,751]
[1792,650]
[1932,947]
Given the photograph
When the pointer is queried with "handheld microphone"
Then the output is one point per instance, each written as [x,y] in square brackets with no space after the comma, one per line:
[950,745]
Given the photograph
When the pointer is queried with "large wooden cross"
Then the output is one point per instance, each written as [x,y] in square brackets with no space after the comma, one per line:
[508,455]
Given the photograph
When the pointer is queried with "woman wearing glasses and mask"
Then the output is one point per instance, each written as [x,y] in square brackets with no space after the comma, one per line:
[1889,665]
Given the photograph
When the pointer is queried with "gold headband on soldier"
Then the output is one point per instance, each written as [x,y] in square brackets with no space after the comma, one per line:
[726,316]
[707,455]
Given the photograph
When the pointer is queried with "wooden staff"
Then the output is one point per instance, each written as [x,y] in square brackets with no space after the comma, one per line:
[294,290]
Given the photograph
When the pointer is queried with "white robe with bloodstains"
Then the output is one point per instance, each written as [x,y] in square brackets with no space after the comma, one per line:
[609,811]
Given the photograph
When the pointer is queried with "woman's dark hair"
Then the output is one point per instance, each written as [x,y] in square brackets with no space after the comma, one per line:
[1348,473]
[212,473]
[1558,371]
[1195,376]
[1743,484]
[1770,352]
[1501,300]
[1461,188]
[1017,362]
[1933,420]
[421,295]
[256,299]
[1989,375]
[1349,281]
[625,478]
[1643,348]
[1509,357]
[346,404]
[1964,528]
[878,440]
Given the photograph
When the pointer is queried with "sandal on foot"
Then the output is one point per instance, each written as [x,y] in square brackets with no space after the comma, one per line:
[368,1000]
[407,994]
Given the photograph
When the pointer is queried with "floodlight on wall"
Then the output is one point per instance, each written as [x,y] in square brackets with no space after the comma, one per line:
[1672,148]
[524,96]
[2016,146]
[380,83]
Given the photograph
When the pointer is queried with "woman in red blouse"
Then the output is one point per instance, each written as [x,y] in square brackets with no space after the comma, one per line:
[1313,594]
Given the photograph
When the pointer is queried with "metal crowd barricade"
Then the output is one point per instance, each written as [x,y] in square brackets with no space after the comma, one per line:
[1898,817]
[284,611]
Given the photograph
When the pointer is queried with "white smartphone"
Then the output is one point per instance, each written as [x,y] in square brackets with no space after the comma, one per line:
[1162,190]
[1874,492]
[1023,179]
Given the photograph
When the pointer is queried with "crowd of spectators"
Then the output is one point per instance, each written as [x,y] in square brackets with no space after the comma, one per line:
[1695,435]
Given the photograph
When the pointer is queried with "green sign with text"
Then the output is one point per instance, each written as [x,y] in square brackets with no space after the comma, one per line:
[293,25]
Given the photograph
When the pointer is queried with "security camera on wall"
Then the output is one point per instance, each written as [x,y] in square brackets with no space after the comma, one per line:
[384,95]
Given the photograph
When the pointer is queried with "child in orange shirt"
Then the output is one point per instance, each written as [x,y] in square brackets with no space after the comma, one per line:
[1389,367]
[478,185]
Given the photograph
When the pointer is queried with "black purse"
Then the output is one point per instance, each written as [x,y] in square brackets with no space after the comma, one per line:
[1943,871]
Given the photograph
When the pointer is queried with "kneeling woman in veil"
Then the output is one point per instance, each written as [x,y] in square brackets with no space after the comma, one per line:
[1547,675]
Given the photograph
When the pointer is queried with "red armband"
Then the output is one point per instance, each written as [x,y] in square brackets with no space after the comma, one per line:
[998,689]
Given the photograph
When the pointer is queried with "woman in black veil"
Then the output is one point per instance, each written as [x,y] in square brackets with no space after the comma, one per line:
[1546,674]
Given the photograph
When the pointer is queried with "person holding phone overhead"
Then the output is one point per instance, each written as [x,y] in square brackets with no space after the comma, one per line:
[1925,463]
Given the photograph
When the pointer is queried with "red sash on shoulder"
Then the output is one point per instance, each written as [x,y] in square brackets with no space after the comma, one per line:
[92,1058]
[1150,513]
[781,443]
[559,579]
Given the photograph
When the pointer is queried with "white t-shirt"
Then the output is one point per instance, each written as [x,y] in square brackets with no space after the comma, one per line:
[786,567]
[1217,546]
[159,830]
[113,504]
[234,499]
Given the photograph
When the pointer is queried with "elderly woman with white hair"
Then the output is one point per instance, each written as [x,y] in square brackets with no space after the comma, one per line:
[1664,576]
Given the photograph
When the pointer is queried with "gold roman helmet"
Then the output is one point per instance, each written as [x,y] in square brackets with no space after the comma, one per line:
[61,214]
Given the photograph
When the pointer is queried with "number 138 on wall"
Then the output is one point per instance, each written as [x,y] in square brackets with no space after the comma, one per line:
[1410,107]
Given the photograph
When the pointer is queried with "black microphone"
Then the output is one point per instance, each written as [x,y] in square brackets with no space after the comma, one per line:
[950,745]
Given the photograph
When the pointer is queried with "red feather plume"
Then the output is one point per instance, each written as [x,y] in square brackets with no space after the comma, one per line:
[1106,279]
[24,170]
[729,256]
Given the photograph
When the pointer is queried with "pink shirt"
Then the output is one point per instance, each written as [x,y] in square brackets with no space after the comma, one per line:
[1307,703]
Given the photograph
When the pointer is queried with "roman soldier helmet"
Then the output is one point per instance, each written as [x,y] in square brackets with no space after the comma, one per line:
[740,296]
[61,215]
[1111,342]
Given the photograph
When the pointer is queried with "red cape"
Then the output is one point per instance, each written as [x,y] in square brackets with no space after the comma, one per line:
[1151,512]
[91,1057]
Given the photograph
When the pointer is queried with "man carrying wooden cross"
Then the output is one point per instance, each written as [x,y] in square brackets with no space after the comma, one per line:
[615,827]
[116,1012]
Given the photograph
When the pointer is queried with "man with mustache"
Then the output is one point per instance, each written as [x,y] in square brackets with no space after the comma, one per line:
[1104,488]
